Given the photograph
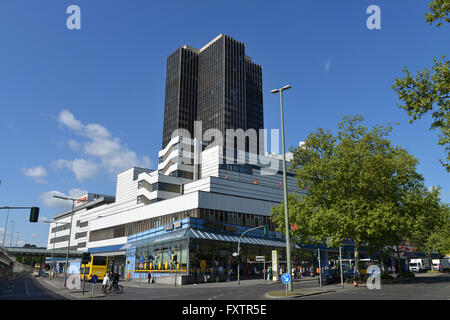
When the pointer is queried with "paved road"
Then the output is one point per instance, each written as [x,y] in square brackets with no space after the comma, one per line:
[423,287]
[25,287]
[248,290]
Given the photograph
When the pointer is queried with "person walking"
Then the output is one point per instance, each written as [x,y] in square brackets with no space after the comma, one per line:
[355,276]
[149,276]
[105,283]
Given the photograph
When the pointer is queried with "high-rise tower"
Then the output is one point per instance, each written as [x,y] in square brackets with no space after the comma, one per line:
[218,85]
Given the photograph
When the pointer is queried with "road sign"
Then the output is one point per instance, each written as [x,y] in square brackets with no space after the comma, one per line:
[94,279]
[286,278]
[141,259]
[141,266]
[259,258]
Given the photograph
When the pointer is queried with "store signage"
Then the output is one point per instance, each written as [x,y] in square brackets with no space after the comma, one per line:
[169,227]
[275,265]
[259,258]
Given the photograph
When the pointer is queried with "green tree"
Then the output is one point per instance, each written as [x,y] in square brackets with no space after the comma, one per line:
[360,187]
[439,241]
[440,10]
[430,92]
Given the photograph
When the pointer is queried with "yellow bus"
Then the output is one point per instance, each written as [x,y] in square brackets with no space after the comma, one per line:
[37,270]
[98,266]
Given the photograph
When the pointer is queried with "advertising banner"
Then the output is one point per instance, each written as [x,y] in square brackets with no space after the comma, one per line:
[275,265]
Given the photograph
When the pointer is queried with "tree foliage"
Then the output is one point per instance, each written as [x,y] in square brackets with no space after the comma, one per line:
[360,187]
[428,92]
[440,10]
[439,241]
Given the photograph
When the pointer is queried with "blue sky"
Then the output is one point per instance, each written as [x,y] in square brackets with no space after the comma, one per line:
[76,105]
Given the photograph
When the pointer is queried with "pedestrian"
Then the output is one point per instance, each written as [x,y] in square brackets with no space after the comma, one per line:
[270,273]
[149,276]
[355,276]
[105,282]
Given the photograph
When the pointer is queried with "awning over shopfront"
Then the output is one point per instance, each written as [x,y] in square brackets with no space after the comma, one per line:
[201,234]
[170,236]
[193,233]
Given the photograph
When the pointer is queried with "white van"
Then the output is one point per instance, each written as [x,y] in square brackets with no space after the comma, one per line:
[441,264]
[419,265]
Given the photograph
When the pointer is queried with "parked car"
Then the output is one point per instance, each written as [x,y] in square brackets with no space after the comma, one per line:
[330,276]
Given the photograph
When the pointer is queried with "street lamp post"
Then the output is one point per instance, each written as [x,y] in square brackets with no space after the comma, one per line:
[286,210]
[70,234]
[54,239]
[6,227]
[12,232]
[17,238]
[239,249]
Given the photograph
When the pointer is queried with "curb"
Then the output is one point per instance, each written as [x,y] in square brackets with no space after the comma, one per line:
[267,295]
[56,290]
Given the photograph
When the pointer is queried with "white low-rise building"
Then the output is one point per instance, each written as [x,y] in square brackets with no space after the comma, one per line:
[214,198]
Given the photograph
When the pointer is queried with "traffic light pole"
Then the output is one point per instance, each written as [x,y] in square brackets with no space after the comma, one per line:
[7,216]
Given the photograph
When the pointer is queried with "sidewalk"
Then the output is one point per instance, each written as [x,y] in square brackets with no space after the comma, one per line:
[246,282]
[57,286]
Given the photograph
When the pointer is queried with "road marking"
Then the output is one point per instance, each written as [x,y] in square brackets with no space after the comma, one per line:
[26,288]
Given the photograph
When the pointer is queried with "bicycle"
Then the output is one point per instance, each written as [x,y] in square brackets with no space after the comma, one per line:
[116,288]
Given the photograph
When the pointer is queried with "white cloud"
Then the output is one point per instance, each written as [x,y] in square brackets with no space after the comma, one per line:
[36,173]
[83,169]
[328,64]
[49,201]
[66,118]
[75,146]
[111,153]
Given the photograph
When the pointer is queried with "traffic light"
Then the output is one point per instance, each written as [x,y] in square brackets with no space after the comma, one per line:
[266,230]
[85,258]
[34,214]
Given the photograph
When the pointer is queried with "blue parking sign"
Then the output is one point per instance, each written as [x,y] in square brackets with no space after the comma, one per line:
[286,278]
